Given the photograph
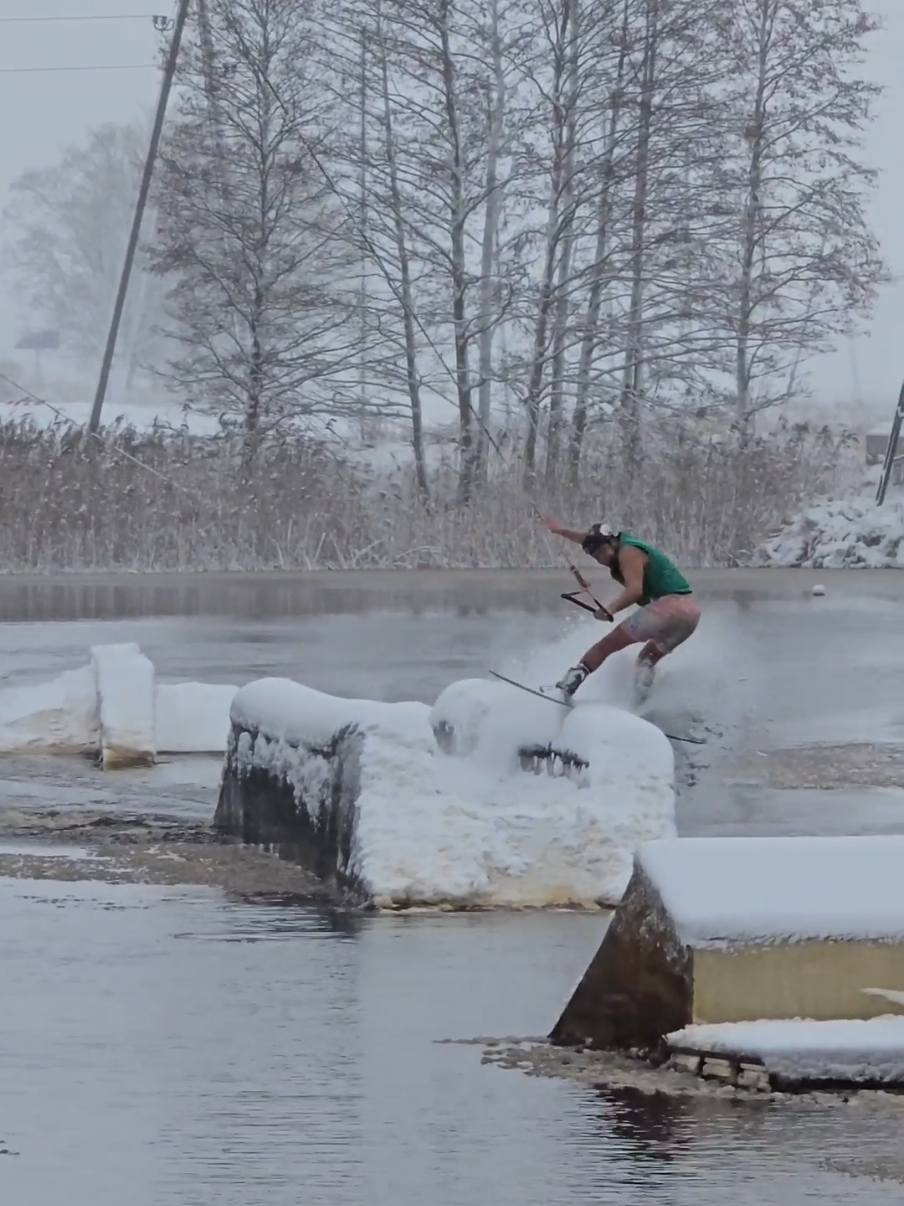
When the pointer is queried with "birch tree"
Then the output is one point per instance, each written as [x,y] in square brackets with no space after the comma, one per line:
[436,163]
[802,264]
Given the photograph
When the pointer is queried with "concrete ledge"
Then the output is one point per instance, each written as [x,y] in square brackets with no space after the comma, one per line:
[405,806]
[736,930]
[313,826]
[795,1055]
[126,698]
[639,985]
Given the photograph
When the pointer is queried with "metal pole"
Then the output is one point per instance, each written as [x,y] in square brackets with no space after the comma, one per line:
[891,450]
[109,350]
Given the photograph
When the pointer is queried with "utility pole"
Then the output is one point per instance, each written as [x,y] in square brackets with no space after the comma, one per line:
[144,190]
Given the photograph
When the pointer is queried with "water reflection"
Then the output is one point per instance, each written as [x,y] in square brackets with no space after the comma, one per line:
[267,597]
[650,1128]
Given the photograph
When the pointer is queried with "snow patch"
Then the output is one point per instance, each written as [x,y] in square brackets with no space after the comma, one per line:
[722,891]
[840,534]
[294,713]
[423,827]
[801,1050]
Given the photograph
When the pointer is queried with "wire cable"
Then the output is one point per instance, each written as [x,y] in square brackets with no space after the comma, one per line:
[27,393]
[95,67]
[95,17]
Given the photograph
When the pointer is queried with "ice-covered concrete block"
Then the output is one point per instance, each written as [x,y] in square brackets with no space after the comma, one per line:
[363,792]
[124,680]
[716,930]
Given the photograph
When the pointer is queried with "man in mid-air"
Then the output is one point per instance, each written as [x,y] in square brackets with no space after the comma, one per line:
[667,614]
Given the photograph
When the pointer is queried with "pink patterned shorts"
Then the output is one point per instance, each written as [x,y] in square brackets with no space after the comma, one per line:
[666,622]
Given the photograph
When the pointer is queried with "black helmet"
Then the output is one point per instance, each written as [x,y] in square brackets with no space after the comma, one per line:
[599,534]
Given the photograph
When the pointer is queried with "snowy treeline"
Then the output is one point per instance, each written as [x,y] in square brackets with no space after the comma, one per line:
[547,222]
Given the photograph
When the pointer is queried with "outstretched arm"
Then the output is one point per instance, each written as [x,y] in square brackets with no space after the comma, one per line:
[558,529]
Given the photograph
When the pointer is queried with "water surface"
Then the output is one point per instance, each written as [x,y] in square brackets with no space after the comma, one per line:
[172,1047]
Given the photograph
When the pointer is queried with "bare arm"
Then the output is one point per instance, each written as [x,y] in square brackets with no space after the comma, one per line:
[633,563]
[558,529]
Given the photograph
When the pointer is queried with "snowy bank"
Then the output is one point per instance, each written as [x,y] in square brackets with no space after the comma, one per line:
[852,533]
[715,930]
[115,711]
[803,1052]
[406,805]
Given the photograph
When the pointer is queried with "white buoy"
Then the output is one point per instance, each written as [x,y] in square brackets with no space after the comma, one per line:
[819,591]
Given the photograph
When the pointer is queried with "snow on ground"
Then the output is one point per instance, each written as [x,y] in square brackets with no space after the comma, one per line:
[469,827]
[840,534]
[802,1050]
[760,890]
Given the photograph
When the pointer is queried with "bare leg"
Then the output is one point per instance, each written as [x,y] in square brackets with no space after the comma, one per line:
[614,641]
[651,654]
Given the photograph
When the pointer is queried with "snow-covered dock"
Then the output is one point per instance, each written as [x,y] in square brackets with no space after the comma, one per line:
[793,1054]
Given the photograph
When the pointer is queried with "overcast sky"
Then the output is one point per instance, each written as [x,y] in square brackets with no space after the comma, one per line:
[42,112]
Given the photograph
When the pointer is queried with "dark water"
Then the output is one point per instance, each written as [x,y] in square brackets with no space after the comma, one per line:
[163,1047]
[169,1048]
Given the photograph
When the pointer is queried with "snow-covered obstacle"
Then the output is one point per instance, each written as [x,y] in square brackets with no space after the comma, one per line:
[795,1054]
[125,692]
[483,800]
[726,930]
[114,711]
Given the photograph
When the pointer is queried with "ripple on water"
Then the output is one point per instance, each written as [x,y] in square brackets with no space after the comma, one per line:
[167,1047]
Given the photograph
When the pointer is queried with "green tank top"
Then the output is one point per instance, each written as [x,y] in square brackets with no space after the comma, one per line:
[660,577]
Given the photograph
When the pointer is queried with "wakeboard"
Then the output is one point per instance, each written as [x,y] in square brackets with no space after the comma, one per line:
[539,692]
[567,703]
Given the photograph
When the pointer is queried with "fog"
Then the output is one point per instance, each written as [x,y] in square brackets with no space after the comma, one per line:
[45,110]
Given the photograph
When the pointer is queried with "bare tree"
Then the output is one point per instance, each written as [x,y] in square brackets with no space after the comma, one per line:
[441,70]
[490,285]
[801,264]
[249,227]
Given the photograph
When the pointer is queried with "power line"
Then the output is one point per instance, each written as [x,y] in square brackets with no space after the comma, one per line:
[97,436]
[98,67]
[97,17]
